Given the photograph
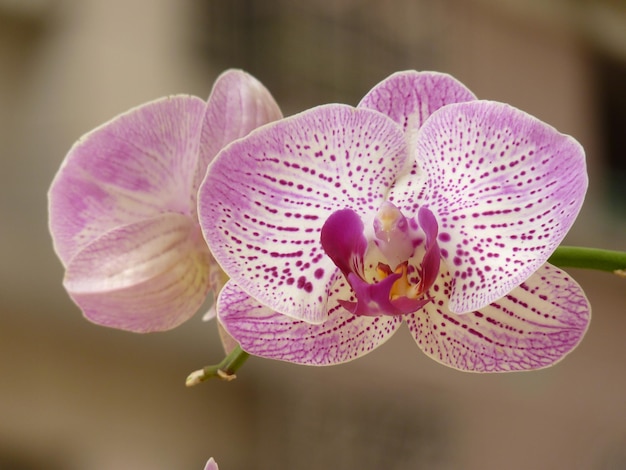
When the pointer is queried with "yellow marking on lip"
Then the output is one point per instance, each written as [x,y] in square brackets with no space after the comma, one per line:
[401,287]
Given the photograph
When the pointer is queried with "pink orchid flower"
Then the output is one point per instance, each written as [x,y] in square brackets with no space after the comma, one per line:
[423,205]
[123,205]
[211,465]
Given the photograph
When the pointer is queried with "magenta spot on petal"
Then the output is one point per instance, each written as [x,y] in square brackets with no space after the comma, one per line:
[319,272]
[457,261]
[444,237]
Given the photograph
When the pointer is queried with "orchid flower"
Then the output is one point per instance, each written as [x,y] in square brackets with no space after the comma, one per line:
[423,205]
[123,206]
[211,465]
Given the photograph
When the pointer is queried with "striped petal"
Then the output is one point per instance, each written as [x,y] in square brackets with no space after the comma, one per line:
[532,327]
[148,276]
[504,187]
[136,166]
[267,196]
[410,97]
[263,332]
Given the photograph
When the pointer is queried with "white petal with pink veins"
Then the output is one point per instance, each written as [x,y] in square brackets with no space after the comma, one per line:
[410,97]
[263,332]
[532,327]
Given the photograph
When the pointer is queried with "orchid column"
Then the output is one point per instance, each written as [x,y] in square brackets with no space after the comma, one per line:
[421,205]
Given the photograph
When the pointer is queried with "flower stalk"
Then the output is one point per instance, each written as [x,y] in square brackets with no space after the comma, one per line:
[590,258]
[225,370]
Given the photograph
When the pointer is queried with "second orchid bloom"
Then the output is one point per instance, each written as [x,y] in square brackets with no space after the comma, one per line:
[423,205]
[123,205]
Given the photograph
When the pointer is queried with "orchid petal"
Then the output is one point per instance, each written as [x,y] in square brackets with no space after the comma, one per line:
[238,104]
[136,166]
[504,187]
[534,326]
[410,97]
[265,333]
[148,276]
[267,196]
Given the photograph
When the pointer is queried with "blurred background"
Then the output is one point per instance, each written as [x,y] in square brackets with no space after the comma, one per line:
[77,396]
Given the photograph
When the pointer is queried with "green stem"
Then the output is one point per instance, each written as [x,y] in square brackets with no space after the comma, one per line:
[225,370]
[590,258]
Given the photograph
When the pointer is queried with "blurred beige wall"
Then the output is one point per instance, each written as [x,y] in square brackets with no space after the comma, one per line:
[76,396]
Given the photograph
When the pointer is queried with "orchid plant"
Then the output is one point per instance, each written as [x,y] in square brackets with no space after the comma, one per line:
[122,206]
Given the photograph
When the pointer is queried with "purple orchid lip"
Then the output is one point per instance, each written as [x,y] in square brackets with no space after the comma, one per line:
[343,241]
[123,205]
[386,289]
[422,205]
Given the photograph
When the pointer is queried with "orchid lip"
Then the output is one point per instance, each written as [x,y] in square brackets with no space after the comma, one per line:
[382,272]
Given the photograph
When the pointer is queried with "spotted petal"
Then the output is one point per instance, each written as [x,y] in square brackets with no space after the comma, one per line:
[532,327]
[136,166]
[267,196]
[263,332]
[148,276]
[504,187]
